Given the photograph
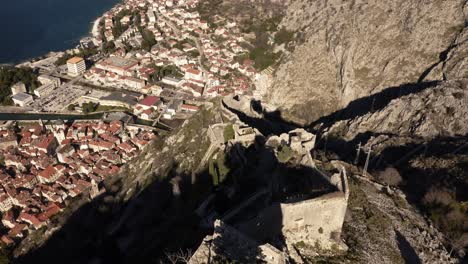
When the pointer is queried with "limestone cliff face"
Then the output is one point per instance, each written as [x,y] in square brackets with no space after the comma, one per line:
[438,111]
[351,49]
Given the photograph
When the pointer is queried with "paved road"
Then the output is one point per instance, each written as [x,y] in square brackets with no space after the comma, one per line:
[14,109]
[201,51]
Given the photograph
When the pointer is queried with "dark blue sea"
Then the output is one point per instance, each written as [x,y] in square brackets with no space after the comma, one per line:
[31,28]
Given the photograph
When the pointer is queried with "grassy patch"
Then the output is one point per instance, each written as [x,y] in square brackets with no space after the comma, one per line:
[106,108]
[300,244]
[263,58]
[285,153]
[218,169]
[228,133]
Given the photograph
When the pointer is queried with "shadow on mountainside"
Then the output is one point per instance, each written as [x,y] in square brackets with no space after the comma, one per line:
[157,220]
[374,102]
[249,198]
[154,222]
[160,220]
[407,251]
[272,123]
[400,156]
[140,230]
[434,172]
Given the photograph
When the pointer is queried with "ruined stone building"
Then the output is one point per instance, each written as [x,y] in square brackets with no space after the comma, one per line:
[296,203]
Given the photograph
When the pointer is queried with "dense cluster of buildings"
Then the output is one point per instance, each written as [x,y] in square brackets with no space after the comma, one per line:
[192,61]
[204,55]
[47,164]
[117,71]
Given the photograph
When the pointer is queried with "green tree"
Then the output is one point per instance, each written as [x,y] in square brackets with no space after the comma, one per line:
[109,47]
[4,258]
[148,39]
[137,18]
[118,28]
[89,107]
[71,107]
[263,58]
[283,36]
[170,70]
[163,71]
[194,53]
[63,59]
[11,75]
[83,53]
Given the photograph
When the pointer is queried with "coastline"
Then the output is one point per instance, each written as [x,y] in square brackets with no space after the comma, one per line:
[93,32]
[95,29]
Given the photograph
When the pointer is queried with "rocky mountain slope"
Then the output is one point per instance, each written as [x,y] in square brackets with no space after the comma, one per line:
[381,227]
[440,110]
[387,74]
[351,49]
[423,135]
[391,75]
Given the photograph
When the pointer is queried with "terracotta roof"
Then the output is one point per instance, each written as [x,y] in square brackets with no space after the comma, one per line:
[30,219]
[193,71]
[148,112]
[45,142]
[16,230]
[150,100]
[74,60]
[7,240]
[51,210]
[48,172]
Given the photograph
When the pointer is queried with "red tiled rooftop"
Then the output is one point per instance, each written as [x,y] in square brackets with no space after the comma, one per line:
[150,100]
[193,71]
[48,172]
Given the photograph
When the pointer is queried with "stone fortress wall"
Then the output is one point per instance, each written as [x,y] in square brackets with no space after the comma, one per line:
[315,221]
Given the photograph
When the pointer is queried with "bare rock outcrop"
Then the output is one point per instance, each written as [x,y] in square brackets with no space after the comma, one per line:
[352,49]
[456,65]
[406,230]
[437,111]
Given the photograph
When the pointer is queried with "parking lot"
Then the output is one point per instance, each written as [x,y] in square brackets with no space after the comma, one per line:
[59,99]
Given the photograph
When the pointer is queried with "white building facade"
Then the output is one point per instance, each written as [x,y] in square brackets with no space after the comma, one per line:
[76,66]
